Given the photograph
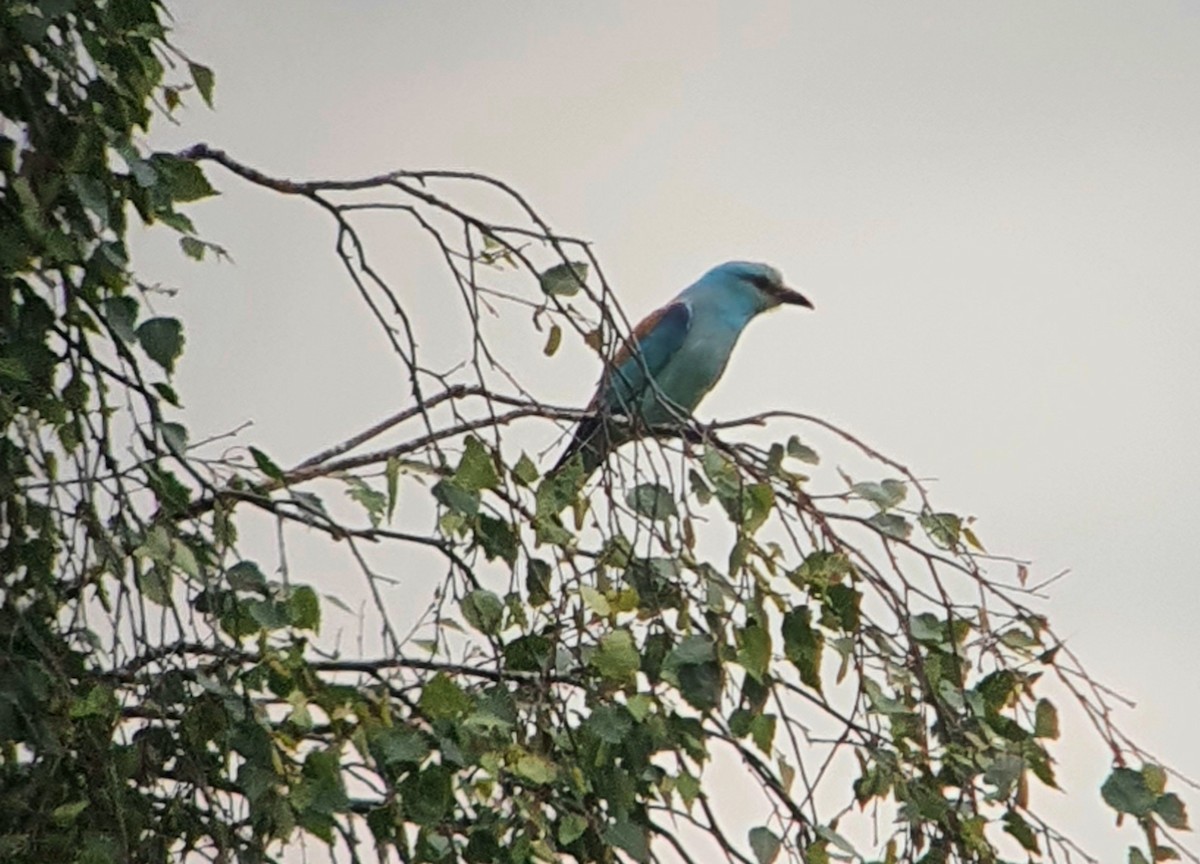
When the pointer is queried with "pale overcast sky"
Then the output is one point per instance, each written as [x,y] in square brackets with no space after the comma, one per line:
[995,207]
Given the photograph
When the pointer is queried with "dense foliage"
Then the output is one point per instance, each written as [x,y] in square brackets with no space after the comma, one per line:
[587,650]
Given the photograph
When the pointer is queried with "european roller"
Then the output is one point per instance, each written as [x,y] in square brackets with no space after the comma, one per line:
[681,351]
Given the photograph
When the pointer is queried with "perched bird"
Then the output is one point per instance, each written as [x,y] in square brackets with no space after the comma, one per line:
[681,351]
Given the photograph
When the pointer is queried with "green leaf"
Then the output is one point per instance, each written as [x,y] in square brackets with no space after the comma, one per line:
[721,472]
[892,524]
[885,495]
[99,702]
[943,528]
[740,719]
[799,451]
[178,221]
[245,576]
[428,795]
[268,614]
[657,582]
[610,723]
[52,9]
[75,395]
[64,814]
[551,531]
[476,470]
[616,658]
[172,495]
[174,435]
[553,341]
[308,502]
[571,828]
[688,787]
[699,487]
[997,689]
[1136,856]
[652,501]
[625,835]
[762,731]
[827,833]
[497,538]
[304,608]
[559,489]
[442,699]
[532,653]
[456,499]
[775,459]
[525,472]
[1125,791]
[14,370]
[236,620]
[1045,722]
[1039,763]
[564,280]
[818,853]
[821,569]
[802,645]
[927,628]
[764,844]
[372,501]
[204,78]
[639,706]
[1172,811]
[266,465]
[92,194]
[758,499]
[1018,639]
[701,684]
[537,581]
[595,600]
[693,649]
[121,314]
[970,537]
[754,651]
[787,774]
[1155,777]
[392,476]
[185,179]
[484,611]
[162,340]
[143,172]
[842,602]
[398,745]
[1016,826]
[155,580]
[192,247]
[167,393]
[538,770]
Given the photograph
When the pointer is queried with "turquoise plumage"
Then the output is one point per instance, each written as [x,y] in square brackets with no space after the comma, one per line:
[681,351]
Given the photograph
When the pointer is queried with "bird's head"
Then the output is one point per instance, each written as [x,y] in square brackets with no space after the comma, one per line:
[762,282]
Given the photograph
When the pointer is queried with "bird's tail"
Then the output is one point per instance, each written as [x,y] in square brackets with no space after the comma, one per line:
[593,442]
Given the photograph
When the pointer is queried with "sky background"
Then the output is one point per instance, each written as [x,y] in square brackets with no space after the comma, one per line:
[995,208]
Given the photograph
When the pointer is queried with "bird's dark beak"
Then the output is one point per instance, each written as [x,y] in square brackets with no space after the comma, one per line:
[795,298]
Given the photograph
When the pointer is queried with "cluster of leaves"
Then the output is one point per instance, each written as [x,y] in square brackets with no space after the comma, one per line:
[78,81]
[945,720]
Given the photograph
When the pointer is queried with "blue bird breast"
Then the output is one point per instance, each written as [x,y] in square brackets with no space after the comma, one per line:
[692,371]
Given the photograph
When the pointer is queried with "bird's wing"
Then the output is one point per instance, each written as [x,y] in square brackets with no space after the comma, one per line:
[658,337]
